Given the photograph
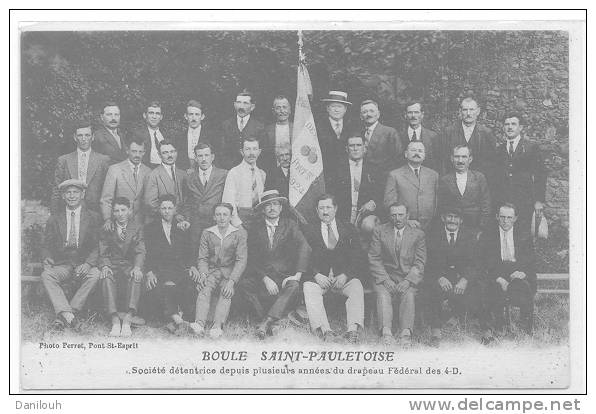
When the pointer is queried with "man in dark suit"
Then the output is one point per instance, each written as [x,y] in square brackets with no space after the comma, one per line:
[507,257]
[109,138]
[151,134]
[416,132]
[121,259]
[333,130]
[279,177]
[466,190]
[195,134]
[520,174]
[279,134]
[278,255]
[70,250]
[126,179]
[165,179]
[170,264]
[415,186]
[396,257]
[383,146]
[469,132]
[335,263]
[204,191]
[450,272]
[354,184]
[83,164]
[236,129]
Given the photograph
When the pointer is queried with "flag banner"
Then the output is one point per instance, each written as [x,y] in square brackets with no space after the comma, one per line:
[306,170]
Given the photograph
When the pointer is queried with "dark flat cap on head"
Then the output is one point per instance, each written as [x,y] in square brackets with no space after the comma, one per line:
[72,183]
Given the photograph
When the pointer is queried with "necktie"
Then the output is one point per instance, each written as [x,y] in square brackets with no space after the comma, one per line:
[451,239]
[123,233]
[367,135]
[255,193]
[417,172]
[507,256]
[356,185]
[271,233]
[397,243]
[72,234]
[155,140]
[136,174]
[511,148]
[117,138]
[204,180]
[241,126]
[414,137]
[83,167]
[337,129]
[331,239]
[173,173]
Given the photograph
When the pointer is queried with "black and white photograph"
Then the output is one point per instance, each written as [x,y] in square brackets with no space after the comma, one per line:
[293,206]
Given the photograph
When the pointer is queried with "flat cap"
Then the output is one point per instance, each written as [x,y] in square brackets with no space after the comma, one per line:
[72,183]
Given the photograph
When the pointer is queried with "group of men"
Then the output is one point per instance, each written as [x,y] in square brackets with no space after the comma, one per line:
[170,221]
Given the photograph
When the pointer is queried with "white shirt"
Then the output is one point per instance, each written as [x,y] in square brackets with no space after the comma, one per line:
[77,222]
[238,188]
[507,246]
[370,129]
[461,179]
[205,174]
[355,174]
[335,124]
[286,171]
[414,169]
[468,131]
[282,135]
[244,120]
[114,133]
[83,165]
[411,132]
[399,233]
[154,156]
[215,230]
[515,142]
[193,135]
[167,229]
[271,228]
[325,231]
[455,233]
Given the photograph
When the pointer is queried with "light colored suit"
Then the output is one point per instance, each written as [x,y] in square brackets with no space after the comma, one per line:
[418,194]
[67,167]
[120,182]
[390,262]
[159,183]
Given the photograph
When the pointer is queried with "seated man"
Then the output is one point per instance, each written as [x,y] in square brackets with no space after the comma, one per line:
[70,251]
[336,248]
[507,256]
[450,271]
[169,262]
[121,258]
[278,255]
[222,260]
[396,257]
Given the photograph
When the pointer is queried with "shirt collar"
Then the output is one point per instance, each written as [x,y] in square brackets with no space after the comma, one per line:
[456,232]
[334,122]
[165,223]
[244,118]
[373,126]
[400,231]
[410,129]
[333,225]
[207,171]
[215,230]
[415,168]
[247,165]
[80,151]
[515,141]
[169,167]
[356,163]
[151,131]
[503,232]
[119,226]
[76,210]
[272,223]
[467,128]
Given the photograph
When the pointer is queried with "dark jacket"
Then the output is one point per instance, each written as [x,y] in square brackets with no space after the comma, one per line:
[268,155]
[113,251]
[277,180]
[453,262]
[228,149]
[333,150]
[432,148]
[168,261]
[105,143]
[482,142]
[181,142]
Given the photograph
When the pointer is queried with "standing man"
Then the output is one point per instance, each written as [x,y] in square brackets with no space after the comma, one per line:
[354,184]
[278,255]
[245,184]
[383,145]
[165,179]
[415,186]
[520,173]
[194,135]
[83,164]
[151,134]
[204,191]
[109,138]
[70,251]
[466,190]
[335,262]
[279,177]
[416,132]
[450,271]
[508,261]
[469,132]
[237,129]
[126,179]
[121,259]
[396,256]
[334,129]
[278,134]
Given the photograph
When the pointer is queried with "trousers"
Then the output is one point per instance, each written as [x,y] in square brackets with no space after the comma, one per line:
[215,281]
[121,289]
[53,277]
[407,307]
[264,304]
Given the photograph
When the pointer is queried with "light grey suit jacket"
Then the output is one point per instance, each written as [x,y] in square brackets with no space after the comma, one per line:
[385,262]
[160,183]
[121,183]
[419,195]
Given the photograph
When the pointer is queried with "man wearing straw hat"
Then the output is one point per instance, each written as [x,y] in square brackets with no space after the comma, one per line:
[278,255]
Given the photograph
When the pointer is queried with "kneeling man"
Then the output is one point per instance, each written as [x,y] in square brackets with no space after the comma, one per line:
[121,259]
[396,256]
[335,252]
